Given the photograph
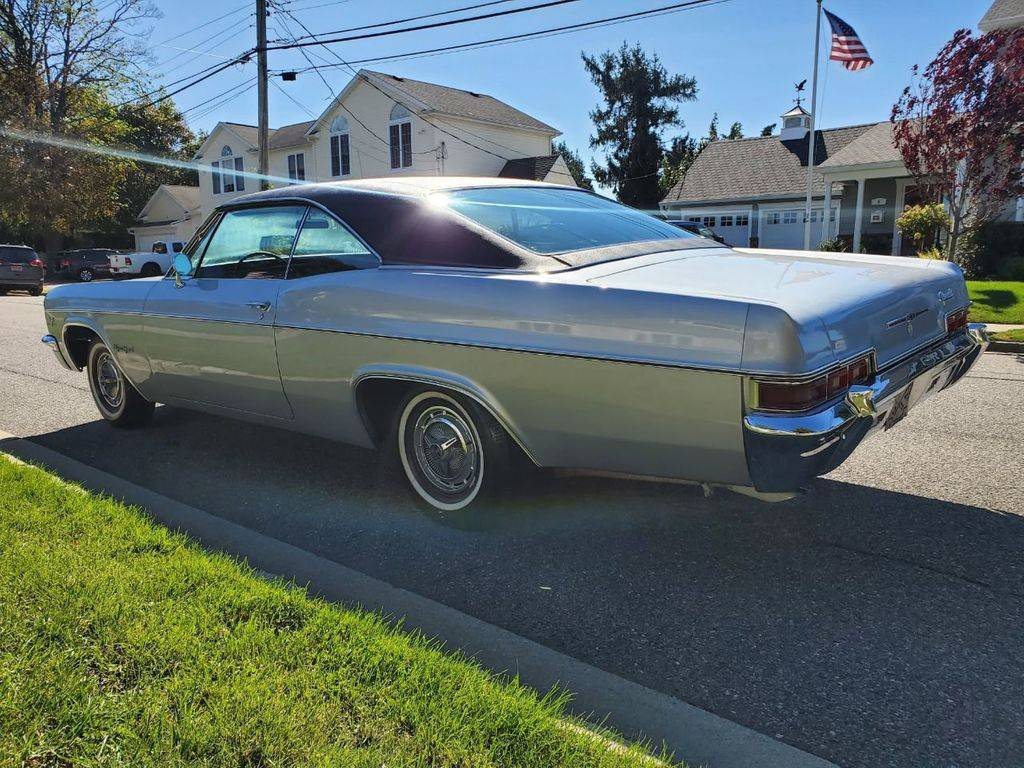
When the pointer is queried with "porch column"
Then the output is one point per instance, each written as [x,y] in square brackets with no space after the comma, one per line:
[858,215]
[826,230]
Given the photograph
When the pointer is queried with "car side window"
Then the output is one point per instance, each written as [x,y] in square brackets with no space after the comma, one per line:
[326,245]
[251,243]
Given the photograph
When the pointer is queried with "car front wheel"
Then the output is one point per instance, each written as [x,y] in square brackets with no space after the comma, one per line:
[116,399]
[452,451]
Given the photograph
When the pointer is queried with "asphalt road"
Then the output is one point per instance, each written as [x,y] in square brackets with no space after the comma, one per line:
[877,620]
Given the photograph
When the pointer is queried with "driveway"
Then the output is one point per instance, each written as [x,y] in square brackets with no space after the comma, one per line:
[875,621]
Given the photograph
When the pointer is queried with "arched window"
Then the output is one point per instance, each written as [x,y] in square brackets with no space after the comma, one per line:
[400,134]
[340,162]
[227,172]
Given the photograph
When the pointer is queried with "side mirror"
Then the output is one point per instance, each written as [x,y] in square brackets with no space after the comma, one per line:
[182,267]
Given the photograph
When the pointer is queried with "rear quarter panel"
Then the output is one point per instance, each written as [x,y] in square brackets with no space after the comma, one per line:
[552,358]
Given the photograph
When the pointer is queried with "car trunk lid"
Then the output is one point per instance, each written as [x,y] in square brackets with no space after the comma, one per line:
[891,305]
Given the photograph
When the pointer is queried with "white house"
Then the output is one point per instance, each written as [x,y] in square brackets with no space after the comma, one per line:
[752,191]
[172,213]
[385,126]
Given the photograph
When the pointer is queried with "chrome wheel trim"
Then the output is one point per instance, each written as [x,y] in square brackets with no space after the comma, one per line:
[109,381]
[429,492]
[445,449]
[85,275]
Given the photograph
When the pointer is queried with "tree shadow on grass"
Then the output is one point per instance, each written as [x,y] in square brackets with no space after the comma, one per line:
[998,299]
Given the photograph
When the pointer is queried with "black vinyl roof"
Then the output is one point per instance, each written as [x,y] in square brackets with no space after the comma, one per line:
[395,218]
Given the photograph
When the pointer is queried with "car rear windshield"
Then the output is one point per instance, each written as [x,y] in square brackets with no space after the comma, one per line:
[549,221]
[16,255]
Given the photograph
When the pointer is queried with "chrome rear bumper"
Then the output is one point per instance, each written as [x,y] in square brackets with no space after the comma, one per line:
[785,451]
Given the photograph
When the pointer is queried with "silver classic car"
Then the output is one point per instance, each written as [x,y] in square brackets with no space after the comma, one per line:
[459,323]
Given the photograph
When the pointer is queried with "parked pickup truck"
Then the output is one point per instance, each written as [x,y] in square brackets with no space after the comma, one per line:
[139,264]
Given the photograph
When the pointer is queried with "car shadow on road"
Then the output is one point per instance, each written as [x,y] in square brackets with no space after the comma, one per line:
[871,627]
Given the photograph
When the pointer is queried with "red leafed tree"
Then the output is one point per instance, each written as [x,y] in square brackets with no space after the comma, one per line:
[959,126]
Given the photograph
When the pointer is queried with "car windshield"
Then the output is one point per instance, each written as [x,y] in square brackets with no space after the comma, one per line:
[546,220]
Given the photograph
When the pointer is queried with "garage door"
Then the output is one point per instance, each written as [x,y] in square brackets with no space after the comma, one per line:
[785,228]
[734,227]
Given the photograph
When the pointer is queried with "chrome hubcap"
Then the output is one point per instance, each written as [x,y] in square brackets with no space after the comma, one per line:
[109,382]
[445,449]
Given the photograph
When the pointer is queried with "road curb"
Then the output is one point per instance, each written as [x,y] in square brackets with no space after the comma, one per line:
[637,712]
[1005,346]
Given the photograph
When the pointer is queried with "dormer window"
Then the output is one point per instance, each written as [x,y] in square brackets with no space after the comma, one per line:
[400,135]
[340,160]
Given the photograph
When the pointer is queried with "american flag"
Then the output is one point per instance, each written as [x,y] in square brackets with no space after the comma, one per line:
[847,47]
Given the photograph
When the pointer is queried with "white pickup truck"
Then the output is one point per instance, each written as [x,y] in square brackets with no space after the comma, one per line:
[145,263]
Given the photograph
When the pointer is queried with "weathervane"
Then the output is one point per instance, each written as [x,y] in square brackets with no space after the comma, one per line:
[799,90]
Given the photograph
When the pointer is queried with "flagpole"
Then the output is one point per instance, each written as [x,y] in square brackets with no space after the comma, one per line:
[810,136]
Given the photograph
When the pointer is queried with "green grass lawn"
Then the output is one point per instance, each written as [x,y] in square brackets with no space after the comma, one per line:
[1015,335]
[996,301]
[124,644]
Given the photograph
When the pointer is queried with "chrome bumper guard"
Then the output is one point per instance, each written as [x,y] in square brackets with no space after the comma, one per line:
[786,451]
[51,341]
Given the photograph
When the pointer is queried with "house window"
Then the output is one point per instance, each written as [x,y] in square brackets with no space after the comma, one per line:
[297,167]
[742,220]
[400,135]
[694,219]
[340,160]
[789,217]
[709,221]
[726,221]
[239,178]
[223,172]
[771,218]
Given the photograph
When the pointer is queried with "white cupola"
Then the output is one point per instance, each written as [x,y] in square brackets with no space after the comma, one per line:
[795,124]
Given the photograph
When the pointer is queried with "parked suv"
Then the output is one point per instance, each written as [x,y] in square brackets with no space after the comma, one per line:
[85,264]
[21,269]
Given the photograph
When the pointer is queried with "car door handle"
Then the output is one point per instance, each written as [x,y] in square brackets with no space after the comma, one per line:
[259,306]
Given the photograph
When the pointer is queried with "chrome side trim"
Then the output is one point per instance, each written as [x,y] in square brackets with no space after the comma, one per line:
[446,383]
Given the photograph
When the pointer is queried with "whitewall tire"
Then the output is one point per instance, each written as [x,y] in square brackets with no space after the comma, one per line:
[451,451]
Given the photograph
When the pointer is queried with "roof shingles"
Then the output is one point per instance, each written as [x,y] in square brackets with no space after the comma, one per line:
[760,167]
[459,103]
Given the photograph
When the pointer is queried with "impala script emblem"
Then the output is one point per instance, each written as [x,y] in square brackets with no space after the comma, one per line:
[907,318]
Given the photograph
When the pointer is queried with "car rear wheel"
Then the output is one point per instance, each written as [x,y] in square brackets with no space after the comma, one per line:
[85,275]
[36,290]
[451,451]
[116,399]
[150,270]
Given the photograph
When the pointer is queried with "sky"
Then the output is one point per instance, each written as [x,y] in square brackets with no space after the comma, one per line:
[746,56]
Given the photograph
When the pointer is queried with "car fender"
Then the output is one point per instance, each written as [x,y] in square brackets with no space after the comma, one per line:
[446,380]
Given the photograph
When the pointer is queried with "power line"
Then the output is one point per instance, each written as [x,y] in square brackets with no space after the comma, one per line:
[190,30]
[433,25]
[398,21]
[550,32]
[352,114]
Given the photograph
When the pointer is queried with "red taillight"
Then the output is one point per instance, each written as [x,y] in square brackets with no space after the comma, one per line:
[127,261]
[65,262]
[956,321]
[36,263]
[799,396]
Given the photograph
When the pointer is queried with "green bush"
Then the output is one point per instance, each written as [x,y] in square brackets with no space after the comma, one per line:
[931,253]
[990,245]
[835,245]
[1012,268]
[922,223]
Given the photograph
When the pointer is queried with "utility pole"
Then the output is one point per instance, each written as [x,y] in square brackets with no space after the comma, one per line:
[261,62]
